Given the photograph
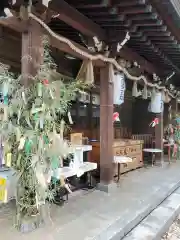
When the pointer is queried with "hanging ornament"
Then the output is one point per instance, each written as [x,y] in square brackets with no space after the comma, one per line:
[21,143]
[28,146]
[62,128]
[154,122]
[39,89]
[6,100]
[134,89]
[145,92]
[8,159]
[116,117]
[41,122]
[5,89]
[45,82]
[167,98]
[1,153]
[156,105]
[5,115]
[163,96]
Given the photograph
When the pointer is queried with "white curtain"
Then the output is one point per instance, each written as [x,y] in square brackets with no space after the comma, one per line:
[119,88]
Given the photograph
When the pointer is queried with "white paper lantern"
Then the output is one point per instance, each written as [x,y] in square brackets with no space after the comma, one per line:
[119,88]
[156,105]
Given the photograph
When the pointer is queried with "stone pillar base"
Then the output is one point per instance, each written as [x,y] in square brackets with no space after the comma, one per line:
[108,188]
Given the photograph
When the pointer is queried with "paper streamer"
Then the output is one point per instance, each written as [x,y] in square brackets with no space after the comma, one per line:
[21,143]
[8,159]
[39,89]
[70,118]
[24,98]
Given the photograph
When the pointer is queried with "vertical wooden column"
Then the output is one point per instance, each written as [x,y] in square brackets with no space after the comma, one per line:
[106,129]
[32,52]
[159,135]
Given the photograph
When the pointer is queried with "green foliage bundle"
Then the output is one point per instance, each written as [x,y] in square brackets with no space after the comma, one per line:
[31,126]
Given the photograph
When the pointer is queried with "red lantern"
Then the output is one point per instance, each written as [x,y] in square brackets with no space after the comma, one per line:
[154,122]
[116,117]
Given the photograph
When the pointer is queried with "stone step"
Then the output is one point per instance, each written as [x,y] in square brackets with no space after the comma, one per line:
[158,221]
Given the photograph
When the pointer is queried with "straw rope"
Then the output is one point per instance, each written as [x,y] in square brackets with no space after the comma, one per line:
[98,57]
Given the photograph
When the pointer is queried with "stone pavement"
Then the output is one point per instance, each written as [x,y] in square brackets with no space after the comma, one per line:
[100,216]
[174,231]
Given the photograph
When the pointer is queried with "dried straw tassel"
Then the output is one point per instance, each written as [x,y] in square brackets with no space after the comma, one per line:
[167,98]
[163,96]
[134,89]
[145,92]
[86,72]
[89,78]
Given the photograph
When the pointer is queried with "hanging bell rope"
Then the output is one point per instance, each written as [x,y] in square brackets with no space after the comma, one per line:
[145,92]
[167,98]
[134,89]
[86,72]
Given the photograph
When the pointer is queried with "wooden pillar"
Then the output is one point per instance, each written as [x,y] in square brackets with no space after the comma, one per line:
[159,135]
[106,129]
[177,106]
[32,51]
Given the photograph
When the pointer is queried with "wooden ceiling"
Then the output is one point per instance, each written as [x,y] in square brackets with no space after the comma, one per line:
[154,35]
[153,26]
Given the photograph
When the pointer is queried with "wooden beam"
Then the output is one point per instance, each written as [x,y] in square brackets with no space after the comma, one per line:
[131,55]
[75,19]
[86,26]
[13,23]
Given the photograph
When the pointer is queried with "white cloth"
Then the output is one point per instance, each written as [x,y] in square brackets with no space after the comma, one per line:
[156,105]
[119,88]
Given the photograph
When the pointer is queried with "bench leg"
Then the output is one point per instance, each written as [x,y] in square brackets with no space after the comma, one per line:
[153,159]
[119,172]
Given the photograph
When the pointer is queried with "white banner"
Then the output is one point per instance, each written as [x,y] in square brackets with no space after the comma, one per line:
[156,105]
[119,88]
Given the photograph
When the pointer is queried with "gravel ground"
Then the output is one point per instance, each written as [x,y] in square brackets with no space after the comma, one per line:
[174,231]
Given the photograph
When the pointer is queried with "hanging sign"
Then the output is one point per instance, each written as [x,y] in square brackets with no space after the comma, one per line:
[119,88]
[154,122]
[116,117]
[156,105]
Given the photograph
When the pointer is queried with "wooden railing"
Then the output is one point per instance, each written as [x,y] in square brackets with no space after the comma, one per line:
[147,138]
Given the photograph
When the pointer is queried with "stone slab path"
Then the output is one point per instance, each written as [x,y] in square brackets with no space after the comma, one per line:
[101,216]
